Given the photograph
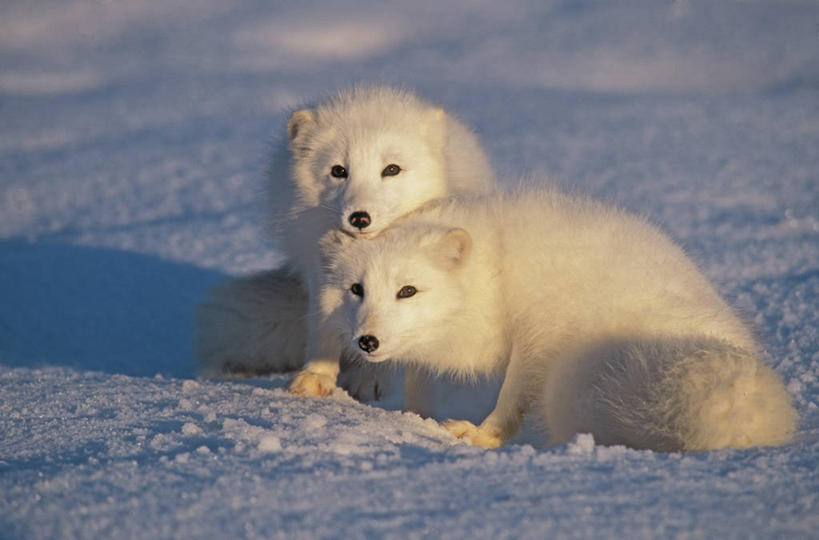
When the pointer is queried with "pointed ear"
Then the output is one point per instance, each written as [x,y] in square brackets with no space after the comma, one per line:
[299,120]
[435,127]
[452,249]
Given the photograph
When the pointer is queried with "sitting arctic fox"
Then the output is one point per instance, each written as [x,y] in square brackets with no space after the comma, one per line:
[358,161]
[599,322]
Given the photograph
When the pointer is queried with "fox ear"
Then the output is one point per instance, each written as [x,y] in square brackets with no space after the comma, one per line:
[299,120]
[453,248]
[435,127]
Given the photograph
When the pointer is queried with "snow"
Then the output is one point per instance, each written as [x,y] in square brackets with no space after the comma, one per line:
[133,137]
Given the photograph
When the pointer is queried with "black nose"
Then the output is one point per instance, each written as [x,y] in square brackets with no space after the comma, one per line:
[359,220]
[368,343]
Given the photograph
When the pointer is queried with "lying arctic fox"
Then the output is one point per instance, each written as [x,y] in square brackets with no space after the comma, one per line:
[358,161]
[599,322]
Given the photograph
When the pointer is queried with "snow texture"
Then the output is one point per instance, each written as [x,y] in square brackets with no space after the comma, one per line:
[133,137]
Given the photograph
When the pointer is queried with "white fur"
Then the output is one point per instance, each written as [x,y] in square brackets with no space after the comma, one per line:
[252,325]
[599,322]
[260,323]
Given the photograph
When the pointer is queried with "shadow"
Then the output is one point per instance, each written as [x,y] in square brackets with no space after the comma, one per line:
[97,309]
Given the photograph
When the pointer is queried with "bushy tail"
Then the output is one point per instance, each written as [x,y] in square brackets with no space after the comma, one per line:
[669,395]
[252,325]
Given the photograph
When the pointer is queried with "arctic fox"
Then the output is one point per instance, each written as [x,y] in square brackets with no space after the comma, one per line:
[358,161]
[598,321]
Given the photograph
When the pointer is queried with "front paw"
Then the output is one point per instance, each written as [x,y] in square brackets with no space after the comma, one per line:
[488,437]
[310,383]
[365,382]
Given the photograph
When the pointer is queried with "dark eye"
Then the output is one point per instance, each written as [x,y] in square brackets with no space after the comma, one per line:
[391,170]
[338,171]
[407,291]
[357,289]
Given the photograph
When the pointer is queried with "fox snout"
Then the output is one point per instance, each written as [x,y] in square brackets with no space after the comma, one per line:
[360,220]
[368,343]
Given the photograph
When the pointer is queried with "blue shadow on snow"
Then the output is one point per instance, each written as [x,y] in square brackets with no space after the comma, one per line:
[98,309]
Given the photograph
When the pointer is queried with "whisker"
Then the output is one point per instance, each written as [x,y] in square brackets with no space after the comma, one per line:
[310,314]
[330,208]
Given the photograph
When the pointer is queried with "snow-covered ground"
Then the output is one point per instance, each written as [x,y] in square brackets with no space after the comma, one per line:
[133,137]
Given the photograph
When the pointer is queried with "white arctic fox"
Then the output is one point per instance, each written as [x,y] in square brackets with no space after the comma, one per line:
[358,161]
[599,322]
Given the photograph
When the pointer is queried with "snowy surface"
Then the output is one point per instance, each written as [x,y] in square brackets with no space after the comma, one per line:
[132,143]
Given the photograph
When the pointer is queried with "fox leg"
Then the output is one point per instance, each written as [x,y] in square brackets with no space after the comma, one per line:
[419,392]
[319,375]
[320,372]
[504,421]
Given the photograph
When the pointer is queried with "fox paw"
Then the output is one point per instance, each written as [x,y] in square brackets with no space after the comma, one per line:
[309,383]
[487,437]
[365,382]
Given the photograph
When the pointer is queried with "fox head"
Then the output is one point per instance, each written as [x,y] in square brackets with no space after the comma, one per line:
[396,295]
[367,158]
